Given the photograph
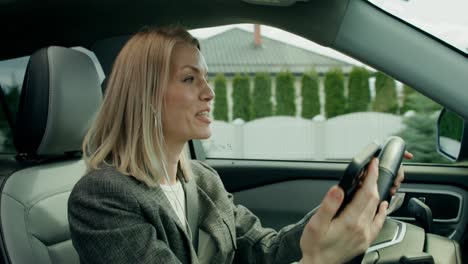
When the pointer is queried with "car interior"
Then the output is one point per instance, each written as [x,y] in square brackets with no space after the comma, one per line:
[58,101]
[62,91]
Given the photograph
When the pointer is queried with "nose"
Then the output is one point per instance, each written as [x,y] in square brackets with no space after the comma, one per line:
[207,93]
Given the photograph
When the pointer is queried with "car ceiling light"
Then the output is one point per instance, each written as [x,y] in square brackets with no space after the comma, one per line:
[274,2]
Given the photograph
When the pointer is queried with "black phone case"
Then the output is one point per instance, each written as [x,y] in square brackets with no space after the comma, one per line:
[349,182]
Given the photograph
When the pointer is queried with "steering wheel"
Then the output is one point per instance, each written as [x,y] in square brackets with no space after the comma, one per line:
[400,242]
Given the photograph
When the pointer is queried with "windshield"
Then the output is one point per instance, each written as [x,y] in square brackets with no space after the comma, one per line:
[446,20]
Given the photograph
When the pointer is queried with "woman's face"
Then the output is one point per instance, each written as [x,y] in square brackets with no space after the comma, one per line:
[188,97]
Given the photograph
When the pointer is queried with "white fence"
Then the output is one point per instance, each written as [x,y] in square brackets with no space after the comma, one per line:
[291,138]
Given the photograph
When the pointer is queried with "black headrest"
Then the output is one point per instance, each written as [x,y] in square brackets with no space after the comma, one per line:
[61,94]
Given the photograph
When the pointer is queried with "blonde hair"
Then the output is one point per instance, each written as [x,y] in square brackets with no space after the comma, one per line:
[127,132]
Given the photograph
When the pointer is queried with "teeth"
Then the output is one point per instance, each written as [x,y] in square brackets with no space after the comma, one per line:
[205,113]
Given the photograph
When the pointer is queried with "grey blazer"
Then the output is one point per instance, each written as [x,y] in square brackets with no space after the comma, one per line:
[117,219]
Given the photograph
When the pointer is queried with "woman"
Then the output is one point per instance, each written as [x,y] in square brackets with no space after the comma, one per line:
[131,205]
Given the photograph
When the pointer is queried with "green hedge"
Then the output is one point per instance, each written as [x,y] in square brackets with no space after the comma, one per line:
[220,111]
[241,98]
[358,90]
[310,95]
[385,94]
[262,105]
[335,102]
[285,94]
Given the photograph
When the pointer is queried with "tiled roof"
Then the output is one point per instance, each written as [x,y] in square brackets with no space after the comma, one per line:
[234,51]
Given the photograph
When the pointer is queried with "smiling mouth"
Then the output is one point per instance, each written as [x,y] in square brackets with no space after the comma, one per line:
[204,113]
[204,116]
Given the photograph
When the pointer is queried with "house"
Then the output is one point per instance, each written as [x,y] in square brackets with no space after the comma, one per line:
[239,51]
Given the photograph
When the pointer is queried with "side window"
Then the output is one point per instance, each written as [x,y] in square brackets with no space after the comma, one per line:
[281,97]
[11,79]
[12,73]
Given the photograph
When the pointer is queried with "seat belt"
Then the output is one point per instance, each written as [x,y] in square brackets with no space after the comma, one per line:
[192,206]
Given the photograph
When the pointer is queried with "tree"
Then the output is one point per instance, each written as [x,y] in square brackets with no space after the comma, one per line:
[310,94]
[420,137]
[335,102]
[406,93]
[385,94]
[220,111]
[359,93]
[420,129]
[241,99]
[262,105]
[413,100]
[285,94]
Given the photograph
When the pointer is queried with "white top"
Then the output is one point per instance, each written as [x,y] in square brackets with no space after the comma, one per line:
[176,196]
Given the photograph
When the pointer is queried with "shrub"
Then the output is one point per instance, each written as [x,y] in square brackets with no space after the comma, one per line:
[241,101]
[358,90]
[262,105]
[285,94]
[220,111]
[385,94]
[310,95]
[335,102]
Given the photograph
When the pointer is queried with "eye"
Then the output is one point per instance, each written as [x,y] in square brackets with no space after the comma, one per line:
[188,79]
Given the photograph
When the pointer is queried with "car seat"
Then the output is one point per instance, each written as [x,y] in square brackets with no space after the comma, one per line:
[60,96]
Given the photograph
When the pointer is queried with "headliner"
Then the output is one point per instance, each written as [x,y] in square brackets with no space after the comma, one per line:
[31,24]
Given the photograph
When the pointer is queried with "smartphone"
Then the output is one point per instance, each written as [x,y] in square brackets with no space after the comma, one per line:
[352,177]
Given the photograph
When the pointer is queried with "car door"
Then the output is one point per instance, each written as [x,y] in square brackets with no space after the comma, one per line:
[281,192]
[281,167]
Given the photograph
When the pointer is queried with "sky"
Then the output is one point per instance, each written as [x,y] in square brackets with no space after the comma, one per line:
[445,19]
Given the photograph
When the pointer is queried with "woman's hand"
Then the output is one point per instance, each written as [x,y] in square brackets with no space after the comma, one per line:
[401,175]
[326,239]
